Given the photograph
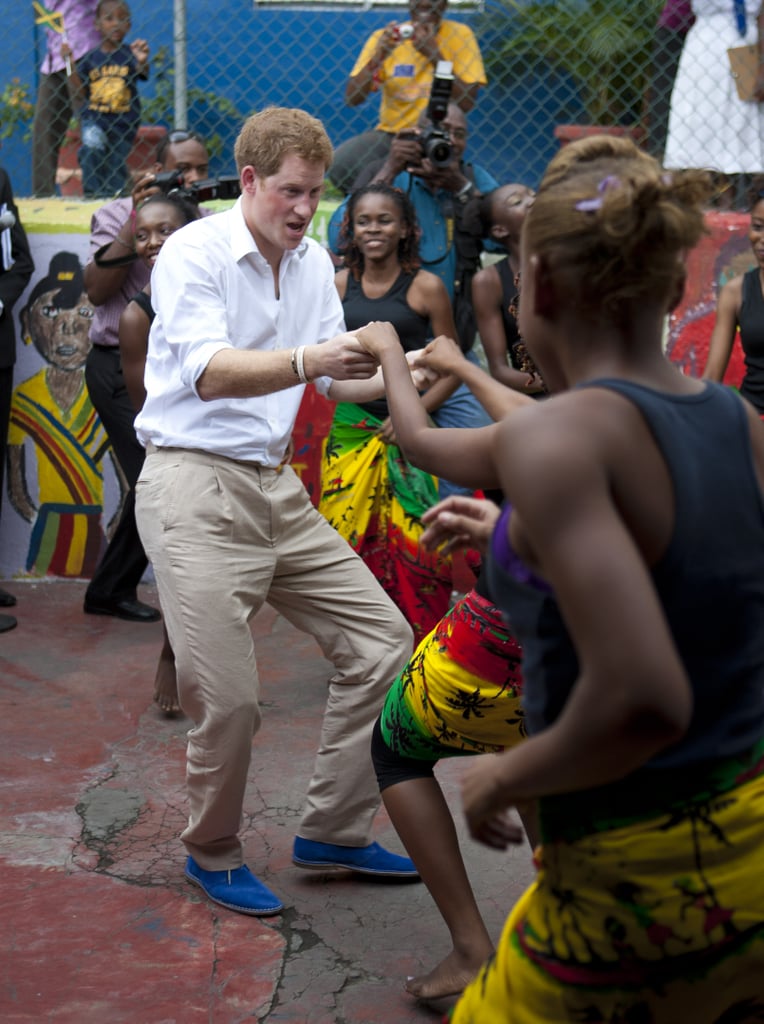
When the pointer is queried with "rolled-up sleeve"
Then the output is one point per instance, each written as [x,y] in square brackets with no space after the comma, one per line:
[186,294]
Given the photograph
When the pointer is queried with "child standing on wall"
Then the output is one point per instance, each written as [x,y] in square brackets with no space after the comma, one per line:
[104,88]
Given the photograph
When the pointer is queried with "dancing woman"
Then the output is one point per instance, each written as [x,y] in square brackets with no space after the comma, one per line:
[630,561]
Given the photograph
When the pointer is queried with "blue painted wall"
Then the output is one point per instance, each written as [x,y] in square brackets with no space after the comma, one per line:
[259,56]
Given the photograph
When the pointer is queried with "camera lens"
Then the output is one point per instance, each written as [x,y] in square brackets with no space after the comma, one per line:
[438,150]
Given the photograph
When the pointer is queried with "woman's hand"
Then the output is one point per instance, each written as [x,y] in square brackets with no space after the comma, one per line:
[442,355]
[486,804]
[460,522]
[422,376]
[386,432]
[533,384]
[378,336]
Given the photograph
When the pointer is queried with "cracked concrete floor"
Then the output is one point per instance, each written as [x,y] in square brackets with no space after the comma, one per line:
[98,921]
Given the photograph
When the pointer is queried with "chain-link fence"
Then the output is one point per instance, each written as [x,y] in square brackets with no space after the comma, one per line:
[548,65]
[551,69]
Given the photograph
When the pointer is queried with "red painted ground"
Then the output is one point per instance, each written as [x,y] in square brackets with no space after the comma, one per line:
[98,923]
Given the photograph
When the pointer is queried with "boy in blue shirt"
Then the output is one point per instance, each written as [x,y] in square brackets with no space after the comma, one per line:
[104,86]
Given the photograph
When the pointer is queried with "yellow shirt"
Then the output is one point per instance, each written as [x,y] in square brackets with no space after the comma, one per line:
[406,75]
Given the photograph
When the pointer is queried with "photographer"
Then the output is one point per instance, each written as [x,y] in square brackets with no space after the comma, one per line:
[443,197]
[399,61]
[445,201]
[113,275]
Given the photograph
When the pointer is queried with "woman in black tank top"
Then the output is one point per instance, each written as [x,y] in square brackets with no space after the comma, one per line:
[156,219]
[740,308]
[630,563]
[369,493]
[494,292]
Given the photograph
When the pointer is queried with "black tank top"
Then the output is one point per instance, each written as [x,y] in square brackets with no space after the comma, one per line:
[413,328]
[508,298]
[710,582]
[751,321]
[142,299]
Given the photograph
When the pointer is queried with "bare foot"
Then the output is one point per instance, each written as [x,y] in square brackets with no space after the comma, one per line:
[448,978]
[166,682]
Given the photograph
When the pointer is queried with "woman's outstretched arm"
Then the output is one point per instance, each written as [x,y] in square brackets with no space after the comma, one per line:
[460,454]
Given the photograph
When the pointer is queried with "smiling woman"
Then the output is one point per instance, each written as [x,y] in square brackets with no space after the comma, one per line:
[156,219]
[370,494]
[741,308]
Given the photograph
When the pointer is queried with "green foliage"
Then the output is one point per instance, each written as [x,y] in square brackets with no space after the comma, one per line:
[16,110]
[160,108]
[603,45]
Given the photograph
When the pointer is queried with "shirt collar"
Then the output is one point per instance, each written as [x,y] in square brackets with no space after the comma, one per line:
[243,244]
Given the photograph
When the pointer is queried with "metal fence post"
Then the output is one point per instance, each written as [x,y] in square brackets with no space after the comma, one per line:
[181,63]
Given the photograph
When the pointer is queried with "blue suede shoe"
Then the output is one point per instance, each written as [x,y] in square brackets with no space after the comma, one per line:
[365,860]
[237,890]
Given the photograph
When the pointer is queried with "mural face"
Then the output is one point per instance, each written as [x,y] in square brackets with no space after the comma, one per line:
[60,335]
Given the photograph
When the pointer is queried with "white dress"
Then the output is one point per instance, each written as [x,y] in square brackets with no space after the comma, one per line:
[709,125]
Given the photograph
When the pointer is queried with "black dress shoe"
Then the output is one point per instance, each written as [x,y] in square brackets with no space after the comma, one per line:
[6,600]
[133,611]
[7,622]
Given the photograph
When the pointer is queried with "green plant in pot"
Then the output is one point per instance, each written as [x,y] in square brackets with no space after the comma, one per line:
[603,47]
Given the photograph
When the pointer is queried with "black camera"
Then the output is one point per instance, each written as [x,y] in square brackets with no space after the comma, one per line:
[225,187]
[436,140]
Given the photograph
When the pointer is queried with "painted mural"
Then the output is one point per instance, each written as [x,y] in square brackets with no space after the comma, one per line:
[721,254]
[62,484]
[55,437]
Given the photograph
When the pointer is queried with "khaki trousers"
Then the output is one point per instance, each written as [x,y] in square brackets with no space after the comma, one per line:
[224,537]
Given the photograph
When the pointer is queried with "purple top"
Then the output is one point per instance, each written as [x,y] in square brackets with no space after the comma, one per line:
[79,26]
[105,225]
[677,15]
[508,558]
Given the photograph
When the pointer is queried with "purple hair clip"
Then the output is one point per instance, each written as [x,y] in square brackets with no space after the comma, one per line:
[595,203]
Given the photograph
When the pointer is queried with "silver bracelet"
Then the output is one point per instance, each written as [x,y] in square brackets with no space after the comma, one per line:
[300,355]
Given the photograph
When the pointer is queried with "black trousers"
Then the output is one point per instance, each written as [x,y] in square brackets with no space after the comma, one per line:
[124,561]
[6,395]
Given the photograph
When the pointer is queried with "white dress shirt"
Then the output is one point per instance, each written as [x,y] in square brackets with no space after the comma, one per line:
[212,289]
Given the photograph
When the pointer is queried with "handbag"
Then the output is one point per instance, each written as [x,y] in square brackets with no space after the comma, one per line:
[744,65]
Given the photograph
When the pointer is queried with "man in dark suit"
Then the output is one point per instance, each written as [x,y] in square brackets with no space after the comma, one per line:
[16,267]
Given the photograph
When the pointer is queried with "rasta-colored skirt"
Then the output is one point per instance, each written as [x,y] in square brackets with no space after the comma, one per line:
[460,692]
[657,921]
[375,500]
